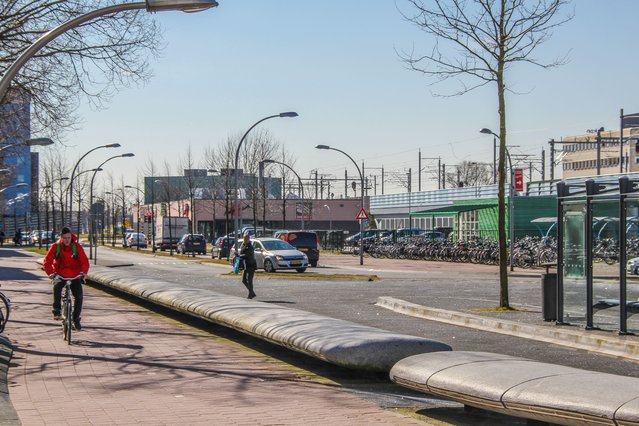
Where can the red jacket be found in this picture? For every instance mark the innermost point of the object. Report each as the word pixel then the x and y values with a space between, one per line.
pixel 66 265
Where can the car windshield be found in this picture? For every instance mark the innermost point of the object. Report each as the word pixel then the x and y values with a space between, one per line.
pixel 303 238
pixel 277 245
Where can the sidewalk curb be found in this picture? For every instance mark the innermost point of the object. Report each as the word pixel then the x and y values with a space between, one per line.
pixel 8 415
pixel 618 346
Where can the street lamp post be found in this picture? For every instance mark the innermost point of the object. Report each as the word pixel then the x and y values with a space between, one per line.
pixel 69 190
pixel 511 211
pixel 330 217
pixel 70 210
pixel 299 180
pixel 149 5
pixel 361 222
pixel 168 209
pixel 139 191
pixel 236 211
pixel 92 227
pixel 29 142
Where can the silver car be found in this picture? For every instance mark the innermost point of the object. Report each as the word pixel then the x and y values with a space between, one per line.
pixel 272 254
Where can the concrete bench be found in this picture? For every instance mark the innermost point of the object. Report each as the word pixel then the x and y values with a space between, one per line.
pixel 631 307
pixel 523 388
pixel 336 341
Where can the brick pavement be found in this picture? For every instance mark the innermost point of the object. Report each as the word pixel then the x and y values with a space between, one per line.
pixel 132 366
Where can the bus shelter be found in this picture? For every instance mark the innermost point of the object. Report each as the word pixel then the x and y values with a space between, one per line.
pixel 598 234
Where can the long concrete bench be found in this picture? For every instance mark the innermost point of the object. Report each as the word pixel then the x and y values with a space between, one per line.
pixel 336 341
pixel 523 388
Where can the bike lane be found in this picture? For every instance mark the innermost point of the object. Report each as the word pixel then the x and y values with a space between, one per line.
pixel 132 366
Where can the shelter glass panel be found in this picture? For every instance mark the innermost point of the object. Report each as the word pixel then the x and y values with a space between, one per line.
pixel 605 265
pixel 632 265
pixel 574 263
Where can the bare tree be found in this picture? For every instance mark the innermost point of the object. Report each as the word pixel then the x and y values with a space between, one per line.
pixel 259 146
pixel 90 62
pixel 222 158
pixel 486 38
pixel 469 173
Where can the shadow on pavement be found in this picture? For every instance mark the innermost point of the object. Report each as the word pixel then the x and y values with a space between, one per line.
pixel 7 252
pixel 17 274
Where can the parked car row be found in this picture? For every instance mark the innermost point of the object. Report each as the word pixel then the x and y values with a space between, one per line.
pixel 286 250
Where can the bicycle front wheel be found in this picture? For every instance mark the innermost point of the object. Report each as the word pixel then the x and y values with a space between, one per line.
pixel 5 309
pixel 67 323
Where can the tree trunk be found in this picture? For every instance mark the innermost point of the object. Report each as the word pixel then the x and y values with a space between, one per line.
pixel 501 207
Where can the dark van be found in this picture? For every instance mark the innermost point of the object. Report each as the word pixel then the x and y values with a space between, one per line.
pixel 305 241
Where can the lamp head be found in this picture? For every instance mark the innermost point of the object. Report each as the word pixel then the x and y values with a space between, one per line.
pixel 486 131
pixel 188 6
pixel 288 114
pixel 128 154
pixel 323 147
pixel 39 142
pixel 129 186
pixel 268 161
pixel 112 145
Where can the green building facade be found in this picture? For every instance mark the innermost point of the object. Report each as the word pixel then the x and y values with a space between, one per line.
pixel 532 216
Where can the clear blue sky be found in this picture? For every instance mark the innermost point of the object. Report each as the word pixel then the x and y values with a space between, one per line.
pixel 335 63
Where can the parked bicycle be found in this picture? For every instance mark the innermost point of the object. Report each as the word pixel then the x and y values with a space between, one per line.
pixel 5 310
pixel 67 304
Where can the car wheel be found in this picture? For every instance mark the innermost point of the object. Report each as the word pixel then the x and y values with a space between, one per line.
pixel 300 270
pixel 314 264
pixel 268 266
pixel 636 270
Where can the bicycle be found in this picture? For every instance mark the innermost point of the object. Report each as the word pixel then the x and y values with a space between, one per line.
pixel 5 310
pixel 67 305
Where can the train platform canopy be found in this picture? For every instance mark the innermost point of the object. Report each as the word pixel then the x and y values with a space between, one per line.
pixel 452 210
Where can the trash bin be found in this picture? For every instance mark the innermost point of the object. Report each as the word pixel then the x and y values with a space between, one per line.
pixel 549 296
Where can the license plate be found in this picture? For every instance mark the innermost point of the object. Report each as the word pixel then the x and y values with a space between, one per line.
pixel 296 262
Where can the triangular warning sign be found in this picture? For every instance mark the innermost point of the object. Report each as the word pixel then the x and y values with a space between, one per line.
pixel 361 215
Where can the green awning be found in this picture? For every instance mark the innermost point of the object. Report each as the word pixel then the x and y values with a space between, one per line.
pixel 452 210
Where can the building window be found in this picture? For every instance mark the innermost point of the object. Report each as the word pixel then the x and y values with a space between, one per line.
pixel 469 225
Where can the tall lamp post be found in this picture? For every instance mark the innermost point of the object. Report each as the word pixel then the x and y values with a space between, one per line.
pixel 361 222
pixel 330 217
pixel 70 210
pixel 69 190
pixel 168 209
pixel 149 5
pixel 92 227
pixel 236 211
pixel 139 191
pixel 18 185
pixel 299 179
pixel 511 212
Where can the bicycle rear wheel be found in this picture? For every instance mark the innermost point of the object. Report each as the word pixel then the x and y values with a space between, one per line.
pixel 5 310
pixel 67 324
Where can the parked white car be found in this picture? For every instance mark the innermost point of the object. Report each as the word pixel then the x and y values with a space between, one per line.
pixel 272 254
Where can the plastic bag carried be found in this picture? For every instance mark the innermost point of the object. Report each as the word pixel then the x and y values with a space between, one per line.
pixel 236 265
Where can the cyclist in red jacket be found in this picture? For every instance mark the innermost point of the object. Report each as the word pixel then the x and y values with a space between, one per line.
pixel 67 258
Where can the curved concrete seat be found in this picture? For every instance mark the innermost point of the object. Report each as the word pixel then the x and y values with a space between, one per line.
pixel 336 341
pixel 523 388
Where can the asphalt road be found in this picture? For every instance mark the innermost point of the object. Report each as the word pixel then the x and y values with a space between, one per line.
pixel 453 287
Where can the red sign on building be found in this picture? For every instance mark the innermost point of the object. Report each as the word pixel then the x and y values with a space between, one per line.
pixel 519 180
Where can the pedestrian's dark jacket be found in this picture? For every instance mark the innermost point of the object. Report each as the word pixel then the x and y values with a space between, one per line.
pixel 247 254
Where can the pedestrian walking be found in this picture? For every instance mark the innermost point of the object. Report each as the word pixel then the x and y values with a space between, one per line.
pixel 247 254
pixel 17 238
pixel 2 237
